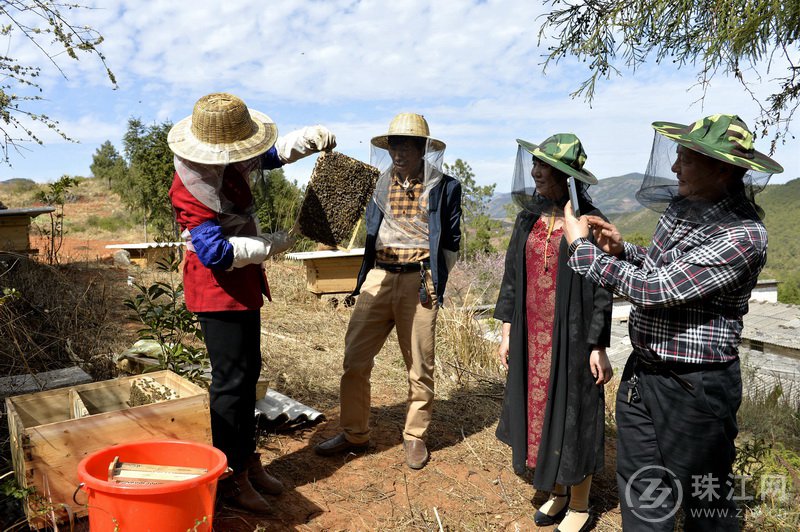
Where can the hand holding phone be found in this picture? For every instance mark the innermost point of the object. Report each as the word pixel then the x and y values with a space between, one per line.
pixel 573 196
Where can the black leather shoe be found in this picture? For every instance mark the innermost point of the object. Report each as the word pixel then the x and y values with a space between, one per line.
pixel 585 527
pixel 339 444
pixel 542 519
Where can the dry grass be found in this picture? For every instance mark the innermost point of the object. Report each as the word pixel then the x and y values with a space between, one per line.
pixel 52 318
pixel 91 211
pixel 468 485
pixel 58 316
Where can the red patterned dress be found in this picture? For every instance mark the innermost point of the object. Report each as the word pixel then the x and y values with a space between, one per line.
pixel 541 265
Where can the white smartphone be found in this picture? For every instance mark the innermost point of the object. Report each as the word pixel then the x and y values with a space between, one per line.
pixel 573 196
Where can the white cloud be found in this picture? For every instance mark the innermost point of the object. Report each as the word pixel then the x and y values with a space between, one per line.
pixel 472 68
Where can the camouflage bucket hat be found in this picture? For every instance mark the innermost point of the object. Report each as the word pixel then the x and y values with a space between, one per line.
pixel 722 137
pixel 563 151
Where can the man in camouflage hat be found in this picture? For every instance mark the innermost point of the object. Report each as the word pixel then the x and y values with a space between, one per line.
pixel 681 388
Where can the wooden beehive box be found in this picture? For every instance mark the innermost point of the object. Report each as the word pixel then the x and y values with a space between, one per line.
pixel 52 431
pixel 147 254
pixel 15 226
pixel 330 272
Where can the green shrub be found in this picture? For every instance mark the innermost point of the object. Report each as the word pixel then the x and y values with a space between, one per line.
pixel 161 309
pixel 109 224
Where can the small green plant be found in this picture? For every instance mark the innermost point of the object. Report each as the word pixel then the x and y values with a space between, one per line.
pixel 9 294
pixel 12 500
pixel 10 488
pixel 160 307
pixel 56 195
pixel 197 524
pixel 767 466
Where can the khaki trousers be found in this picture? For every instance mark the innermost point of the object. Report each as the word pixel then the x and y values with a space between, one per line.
pixel 389 300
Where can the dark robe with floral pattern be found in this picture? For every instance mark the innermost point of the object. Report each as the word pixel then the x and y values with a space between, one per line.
pixel 572 442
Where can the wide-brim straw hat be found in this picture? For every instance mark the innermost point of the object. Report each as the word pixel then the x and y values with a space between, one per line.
pixel 222 130
pixel 563 151
pixel 722 137
pixel 408 125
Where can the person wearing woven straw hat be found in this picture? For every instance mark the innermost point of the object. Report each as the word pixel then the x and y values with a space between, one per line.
pixel 413 236
pixel 216 150
pixel 681 387
pixel 556 327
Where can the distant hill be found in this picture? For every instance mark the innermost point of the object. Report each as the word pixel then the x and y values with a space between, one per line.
pixel 616 197
pixel 610 195
pixel 17 182
pixel 780 203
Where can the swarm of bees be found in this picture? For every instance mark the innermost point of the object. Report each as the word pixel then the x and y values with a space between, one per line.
pixel 146 390
pixel 336 195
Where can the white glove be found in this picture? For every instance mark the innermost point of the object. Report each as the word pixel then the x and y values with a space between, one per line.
pixel 303 142
pixel 278 242
pixel 450 258
pixel 248 250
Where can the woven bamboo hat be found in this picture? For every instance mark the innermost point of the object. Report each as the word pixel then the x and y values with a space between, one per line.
pixel 408 125
pixel 221 130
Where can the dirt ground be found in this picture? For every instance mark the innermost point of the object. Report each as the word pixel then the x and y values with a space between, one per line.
pixel 468 483
pixel 79 249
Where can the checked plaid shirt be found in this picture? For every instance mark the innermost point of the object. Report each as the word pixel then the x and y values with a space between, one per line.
pixel 690 288
pixel 404 203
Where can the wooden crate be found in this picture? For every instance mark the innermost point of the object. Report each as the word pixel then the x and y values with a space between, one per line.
pixel 331 272
pixel 14 233
pixel 52 431
pixel 15 225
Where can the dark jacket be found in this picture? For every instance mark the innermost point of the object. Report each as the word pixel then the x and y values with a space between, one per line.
pixel 444 228
pixel 572 443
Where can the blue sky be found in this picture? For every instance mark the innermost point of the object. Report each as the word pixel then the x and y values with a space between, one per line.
pixel 472 68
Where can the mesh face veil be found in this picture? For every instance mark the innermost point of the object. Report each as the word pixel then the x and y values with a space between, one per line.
pixel 524 192
pixel 406 232
pixel 204 182
pixel 660 188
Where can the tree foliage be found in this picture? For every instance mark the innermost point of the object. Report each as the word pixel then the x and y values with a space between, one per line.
pixel 277 201
pixel 55 195
pixel 477 227
pixel 144 188
pixel 108 164
pixel 46 26
pixel 743 38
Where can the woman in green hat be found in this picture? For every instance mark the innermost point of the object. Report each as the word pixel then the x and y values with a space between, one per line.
pixel 556 327
pixel 689 290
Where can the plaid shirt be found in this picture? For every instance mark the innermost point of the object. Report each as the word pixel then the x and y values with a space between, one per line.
pixel 404 203
pixel 690 289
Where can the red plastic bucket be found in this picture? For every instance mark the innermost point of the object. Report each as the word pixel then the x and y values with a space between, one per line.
pixel 183 505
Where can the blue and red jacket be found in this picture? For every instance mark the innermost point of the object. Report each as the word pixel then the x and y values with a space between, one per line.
pixel 208 285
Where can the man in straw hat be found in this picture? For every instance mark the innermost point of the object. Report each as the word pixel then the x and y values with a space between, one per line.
pixel 216 150
pixel 681 388
pixel 413 235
